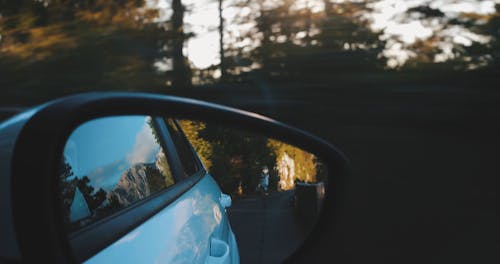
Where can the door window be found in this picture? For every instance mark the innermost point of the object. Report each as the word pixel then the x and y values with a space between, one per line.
pixel 109 164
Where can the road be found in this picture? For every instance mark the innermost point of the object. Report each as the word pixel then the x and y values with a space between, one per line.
pixel 266 227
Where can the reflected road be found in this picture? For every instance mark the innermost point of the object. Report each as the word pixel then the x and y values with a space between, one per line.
pixel 266 227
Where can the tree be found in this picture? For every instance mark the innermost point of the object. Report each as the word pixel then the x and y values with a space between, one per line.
pixel 72 46
pixel 181 72
pixel 68 182
pixel 460 42
pixel 293 163
pixel 487 54
pixel 236 156
pixel 303 42
pixel 222 64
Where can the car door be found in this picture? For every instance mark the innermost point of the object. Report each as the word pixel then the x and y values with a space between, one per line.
pixel 133 194
pixel 222 238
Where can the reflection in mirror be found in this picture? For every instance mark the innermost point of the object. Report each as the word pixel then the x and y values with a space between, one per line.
pixel 108 164
pixel 277 188
pixel 140 181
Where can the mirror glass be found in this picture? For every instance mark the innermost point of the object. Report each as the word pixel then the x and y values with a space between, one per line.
pixel 186 190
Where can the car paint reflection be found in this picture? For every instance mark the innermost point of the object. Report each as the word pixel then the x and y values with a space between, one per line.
pixel 191 223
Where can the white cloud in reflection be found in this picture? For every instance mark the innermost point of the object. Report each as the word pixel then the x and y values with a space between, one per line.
pixel 144 150
pixel 145 147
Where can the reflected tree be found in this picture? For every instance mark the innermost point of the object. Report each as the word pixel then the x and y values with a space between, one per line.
pixel 68 184
pixel 236 158
pixel 293 164
pixel 202 147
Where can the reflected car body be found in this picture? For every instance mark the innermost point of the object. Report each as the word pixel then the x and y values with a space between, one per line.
pixel 194 228
pixel 179 233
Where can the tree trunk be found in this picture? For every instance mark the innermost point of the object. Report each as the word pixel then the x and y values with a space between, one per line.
pixel 221 43
pixel 181 71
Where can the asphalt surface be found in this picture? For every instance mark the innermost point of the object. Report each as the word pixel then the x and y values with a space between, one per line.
pixel 266 227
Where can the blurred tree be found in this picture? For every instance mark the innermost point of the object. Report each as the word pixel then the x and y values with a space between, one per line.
pixel 51 48
pixel 222 64
pixel 181 73
pixel 487 54
pixel 307 43
pixel 346 41
pixel 468 41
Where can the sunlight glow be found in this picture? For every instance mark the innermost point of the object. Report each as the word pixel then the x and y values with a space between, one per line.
pixel 388 16
pixel 408 32
pixel 203 50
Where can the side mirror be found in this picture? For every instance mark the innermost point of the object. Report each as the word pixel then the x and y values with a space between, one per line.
pixel 141 177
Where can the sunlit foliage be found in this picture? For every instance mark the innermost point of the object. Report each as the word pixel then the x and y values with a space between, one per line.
pixel 203 148
pixel 235 157
pixel 293 164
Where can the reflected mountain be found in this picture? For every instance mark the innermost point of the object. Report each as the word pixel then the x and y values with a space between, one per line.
pixel 135 183
pixel 107 176
pixel 122 189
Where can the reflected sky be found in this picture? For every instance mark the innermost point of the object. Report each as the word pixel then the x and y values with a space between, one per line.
pixel 202 19
pixel 103 148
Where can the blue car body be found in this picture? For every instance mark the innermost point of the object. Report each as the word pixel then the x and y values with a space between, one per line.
pixel 183 232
